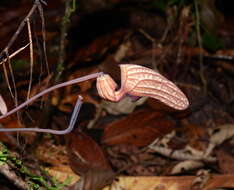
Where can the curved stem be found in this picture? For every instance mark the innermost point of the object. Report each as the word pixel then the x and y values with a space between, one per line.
pixel 55 132
pixel 74 81
pixel 74 114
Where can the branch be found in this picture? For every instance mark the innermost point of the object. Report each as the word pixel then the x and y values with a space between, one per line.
pixel 36 5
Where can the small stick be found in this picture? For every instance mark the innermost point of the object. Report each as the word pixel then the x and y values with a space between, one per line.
pixel 31 57
pixel 41 13
pixel 15 97
pixel 20 28
pixel 7 80
pixel 14 54
pixel 74 114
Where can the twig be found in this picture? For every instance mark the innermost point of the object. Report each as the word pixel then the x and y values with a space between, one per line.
pixel 15 96
pixel 5 52
pixel 14 54
pixel 20 28
pixel 64 26
pixel 202 76
pixel 4 55
pixel 41 13
pixel 7 80
pixel 31 57
pixel 11 175
pixel 180 154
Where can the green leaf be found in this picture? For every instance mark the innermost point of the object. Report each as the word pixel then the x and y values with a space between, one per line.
pixel 3 154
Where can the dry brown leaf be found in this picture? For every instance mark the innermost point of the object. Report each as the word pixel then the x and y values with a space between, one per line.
pixel 10 122
pixel 99 46
pixel 219 135
pixel 226 161
pixel 87 159
pixel 85 154
pixel 193 134
pixel 171 183
pixel 61 173
pixel 186 166
pixel 139 129
pixel 167 183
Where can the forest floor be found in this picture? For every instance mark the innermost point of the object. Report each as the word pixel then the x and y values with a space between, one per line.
pixel 189 149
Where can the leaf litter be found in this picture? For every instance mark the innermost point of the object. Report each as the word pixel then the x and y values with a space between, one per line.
pixel 123 132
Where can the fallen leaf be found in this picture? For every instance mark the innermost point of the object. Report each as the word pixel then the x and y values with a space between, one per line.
pixel 87 159
pixel 192 134
pixel 225 160
pixel 172 183
pixel 139 129
pixel 85 154
pixel 218 135
pixel 186 165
